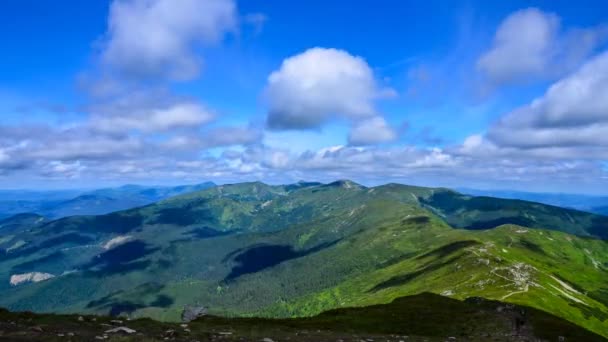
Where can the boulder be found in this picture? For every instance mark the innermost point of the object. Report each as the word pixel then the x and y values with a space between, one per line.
pixel 191 313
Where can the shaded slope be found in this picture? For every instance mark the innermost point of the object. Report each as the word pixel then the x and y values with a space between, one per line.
pixel 424 317
pixel 476 213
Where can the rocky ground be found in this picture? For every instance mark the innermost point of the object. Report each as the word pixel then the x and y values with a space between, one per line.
pixel 424 317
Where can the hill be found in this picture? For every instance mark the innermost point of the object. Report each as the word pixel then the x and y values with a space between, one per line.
pixel 601 210
pixel 423 317
pixel 252 249
pixel 590 203
pixel 57 204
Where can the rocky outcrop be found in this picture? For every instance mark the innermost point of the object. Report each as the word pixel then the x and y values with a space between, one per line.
pixel 191 313
pixel 32 277
pixel 119 240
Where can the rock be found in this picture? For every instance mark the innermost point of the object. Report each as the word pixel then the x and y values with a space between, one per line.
pixel 447 293
pixel 561 339
pixel 60 335
pixel 80 319
pixel 170 333
pixel 183 325
pixel 99 337
pixel 36 328
pixel 116 321
pixel 70 334
pixel 119 240
pixel 191 313
pixel 32 277
pixel 266 339
pixel 121 330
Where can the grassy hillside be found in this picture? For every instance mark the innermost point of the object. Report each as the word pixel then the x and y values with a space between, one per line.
pixel 298 250
pixel 424 317
pixel 469 212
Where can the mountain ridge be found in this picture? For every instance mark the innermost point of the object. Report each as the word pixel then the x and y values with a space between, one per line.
pixel 94 202
pixel 280 251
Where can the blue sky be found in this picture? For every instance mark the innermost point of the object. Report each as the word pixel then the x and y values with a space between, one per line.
pixel 481 94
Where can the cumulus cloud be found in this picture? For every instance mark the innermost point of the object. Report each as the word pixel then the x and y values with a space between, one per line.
pixel 81 150
pixel 216 137
pixel 159 38
pixel 317 85
pixel 146 119
pixel 371 131
pixel 523 45
pixel 132 128
pixel 572 113
pixel 413 165
pixel 530 44
pixel 140 133
pixel 229 136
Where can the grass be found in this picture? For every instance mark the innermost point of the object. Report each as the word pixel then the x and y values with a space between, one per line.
pixel 425 317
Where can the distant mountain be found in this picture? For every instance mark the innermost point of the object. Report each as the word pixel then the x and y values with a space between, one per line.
pixel 36 196
pixel 27 201
pixel 96 202
pixel 298 250
pixel 594 204
pixel 603 210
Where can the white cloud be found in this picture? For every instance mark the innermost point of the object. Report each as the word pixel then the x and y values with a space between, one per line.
pixel 530 44
pixel 371 131
pixel 435 158
pixel 572 113
pixel 158 38
pixel 4 157
pixel 317 85
pixel 215 137
pixel 173 116
pixel 68 145
pixel 231 135
pixel 523 45
pixel 63 170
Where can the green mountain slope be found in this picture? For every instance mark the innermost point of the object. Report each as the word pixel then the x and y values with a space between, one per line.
pixel 280 251
pixel 469 212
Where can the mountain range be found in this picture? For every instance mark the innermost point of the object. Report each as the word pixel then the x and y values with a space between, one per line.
pixel 55 204
pixel 252 249
pixel 594 204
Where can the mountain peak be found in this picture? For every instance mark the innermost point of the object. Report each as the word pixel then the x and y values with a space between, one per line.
pixel 345 183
